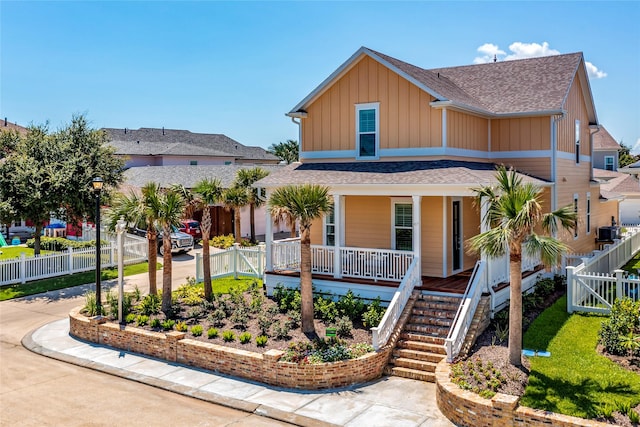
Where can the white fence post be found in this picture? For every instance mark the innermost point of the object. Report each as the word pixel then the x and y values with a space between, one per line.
pixel 261 258
pixel 70 253
pixel 570 288
pixel 23 268
pixel 199 268
pixel 619 284
pixel 235 260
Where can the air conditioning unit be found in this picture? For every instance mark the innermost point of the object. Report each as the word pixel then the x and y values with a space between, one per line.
pixel 608 233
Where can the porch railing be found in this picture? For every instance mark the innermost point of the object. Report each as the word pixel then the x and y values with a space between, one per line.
pixel 383 331
pixel 498 268
pixel 464 317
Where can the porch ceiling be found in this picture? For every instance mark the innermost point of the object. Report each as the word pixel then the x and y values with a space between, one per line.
pixel 421 177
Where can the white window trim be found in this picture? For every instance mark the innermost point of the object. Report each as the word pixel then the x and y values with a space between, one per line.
pixel 577 141
pixel 368 106
pixel 399 201
pixel 324 227
pixel 613 162
pixel 588 224
pixel 576 208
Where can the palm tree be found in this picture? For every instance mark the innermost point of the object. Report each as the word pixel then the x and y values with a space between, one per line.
pixel 306 203
pixel 284 215
pixel 514 211
pixel 209 192
pixel 234 198
pixel 168 210
pixel 245 178
pixel 141 210
pixel 192 203
pixel 286 151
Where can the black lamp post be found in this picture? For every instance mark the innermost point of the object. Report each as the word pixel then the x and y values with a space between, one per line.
pixel 97 188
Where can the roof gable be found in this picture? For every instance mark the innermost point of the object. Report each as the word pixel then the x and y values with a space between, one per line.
pixel 602 140
pixel 522 87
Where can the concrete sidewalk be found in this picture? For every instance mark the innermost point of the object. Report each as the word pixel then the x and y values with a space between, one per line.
pixel 390 401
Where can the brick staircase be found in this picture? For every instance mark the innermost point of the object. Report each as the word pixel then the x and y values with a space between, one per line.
pixel 421 343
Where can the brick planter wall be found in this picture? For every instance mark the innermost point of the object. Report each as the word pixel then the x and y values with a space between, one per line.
pixel 265 368
pixel 466 408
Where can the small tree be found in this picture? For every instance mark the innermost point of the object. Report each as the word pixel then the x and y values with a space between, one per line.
pixel 245 178
pixel 306 203
pixel 234 198
pixel 209 191
pixel 514 211
pixel 287 151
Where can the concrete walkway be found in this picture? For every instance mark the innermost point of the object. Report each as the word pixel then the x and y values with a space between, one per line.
pixel 390 401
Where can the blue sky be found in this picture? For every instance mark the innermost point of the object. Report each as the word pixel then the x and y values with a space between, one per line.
pixel 236 67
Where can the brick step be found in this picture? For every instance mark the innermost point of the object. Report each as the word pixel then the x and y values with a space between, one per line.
pixel 422 346
pixel 423 338
pixel 435 331
pixel 423 356
pixel 440 298
pixel 432 321
pixel 433 312
pixel 411 374
pixel 418 365
pixel 430 305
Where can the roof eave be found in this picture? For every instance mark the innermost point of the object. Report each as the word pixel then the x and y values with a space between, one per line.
pixel 474 110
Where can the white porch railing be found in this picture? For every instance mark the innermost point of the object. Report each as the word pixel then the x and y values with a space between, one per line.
pixel 361 263
pixel 234 261
pixel 498 268
pixel 24 269
pixel 464 317
pixel 383 331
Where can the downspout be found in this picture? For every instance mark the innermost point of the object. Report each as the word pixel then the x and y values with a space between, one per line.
pixel 299 123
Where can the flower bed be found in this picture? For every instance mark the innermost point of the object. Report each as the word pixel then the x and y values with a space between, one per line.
pixel 267 367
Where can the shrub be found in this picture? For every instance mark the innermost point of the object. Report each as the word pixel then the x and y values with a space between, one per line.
pixel 190 293
pixel 222 242
pixel 62 244
pixel 212 333
pixel 155 323
pixel 321 351
pixel 374 314
pixel 245 338
pixel 261 341
pixel 545 287
pixel 130 318
pixel 228 336
pixel 90 306
pixel 294 318
pixel 194 312
pixel 343 326
pixel 281 330
pixel 287 299
pixel 182 327
pixel 264 323
pixel 196 330
pixel 150 304
pixel 142 320
pixel 325 309
pixel 351 306
pixel 168 324
pixel 112 302
pixel 623 321
pixel 240 316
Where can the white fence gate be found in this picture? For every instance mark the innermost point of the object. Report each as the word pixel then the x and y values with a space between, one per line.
pixel 235 261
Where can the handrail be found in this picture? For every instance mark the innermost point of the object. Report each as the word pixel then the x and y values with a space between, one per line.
pixel 382 332
pixel 465 313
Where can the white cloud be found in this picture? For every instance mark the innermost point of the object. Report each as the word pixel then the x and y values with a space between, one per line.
pixel 521 50
pixel 594 72
pixel 636 147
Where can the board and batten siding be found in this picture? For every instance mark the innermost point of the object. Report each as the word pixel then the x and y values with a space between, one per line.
pixel 521 134
pixel 406 119
pixel 576 110
pixel 471 227
pixel 431 239
pixel 467 131
pixel 368 221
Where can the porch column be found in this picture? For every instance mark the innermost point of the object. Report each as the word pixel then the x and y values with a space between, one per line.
pixel 417 225
pixel 338 235
pixel 268 237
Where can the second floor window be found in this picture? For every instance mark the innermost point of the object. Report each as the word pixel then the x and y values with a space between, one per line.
pixel 367 131
pixel 575 209
pixel 608 163
pixel 577 137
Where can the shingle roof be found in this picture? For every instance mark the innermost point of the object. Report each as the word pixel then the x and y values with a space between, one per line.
pixel 617 184
pixel 602 140
pixel 186 175
pixel 5 125
pixel 151 141
pixel 437 172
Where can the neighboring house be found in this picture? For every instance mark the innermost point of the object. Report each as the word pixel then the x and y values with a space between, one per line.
pixel 189 176
pixel 170 147
pixel 401 149
pixel 625 187
pixel 632 169
pixel 605 150
pixel 7 125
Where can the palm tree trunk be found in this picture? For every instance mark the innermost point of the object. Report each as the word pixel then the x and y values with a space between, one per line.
pixel 306 287
pixel 236 221
pixel 252 219
pixel 206 262
pixel 515 308
pixel 292 226
pixel 166 272
pixel 153 262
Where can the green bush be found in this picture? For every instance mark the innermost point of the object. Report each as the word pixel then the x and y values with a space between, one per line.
pixel 142 320
pixel 222 242
pixel 324 350
pixel 168 324
pixel 90 305
pixel 217 317
pixel 261 341
pixel 150 304
pixel 264 323
pixel 343 326
pixel 196 330
pixel 212 333
pixel 130 318
pixel 351 306
pixel 374 314
pixel 182 327
pixel 287 299
pixel 245 338
pixel 228 336
pixel 62 244
pixel 623 321
pixel 155 323
pixel 240 316
pixel 294 319
pixel 545 287
pixel 325 308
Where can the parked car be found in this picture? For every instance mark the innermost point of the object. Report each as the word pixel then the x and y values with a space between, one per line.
pixel 192 227
pixel 180 242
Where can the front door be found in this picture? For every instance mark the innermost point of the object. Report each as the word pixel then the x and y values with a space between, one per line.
pixel 456 228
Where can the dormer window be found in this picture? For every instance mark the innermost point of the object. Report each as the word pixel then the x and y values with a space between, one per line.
pixel 367 130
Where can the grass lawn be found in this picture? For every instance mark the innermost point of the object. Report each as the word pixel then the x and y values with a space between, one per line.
pixel 11 252
pixel 633 265
pixel 575 380
pixel 67 281
pixel 223 284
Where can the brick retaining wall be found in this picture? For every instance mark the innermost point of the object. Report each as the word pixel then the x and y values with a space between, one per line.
pixel 265 368
pixel 468 409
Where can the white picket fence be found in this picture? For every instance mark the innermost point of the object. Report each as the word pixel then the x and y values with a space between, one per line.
pixel 24 269
pixel 591 285
pixel 235 261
